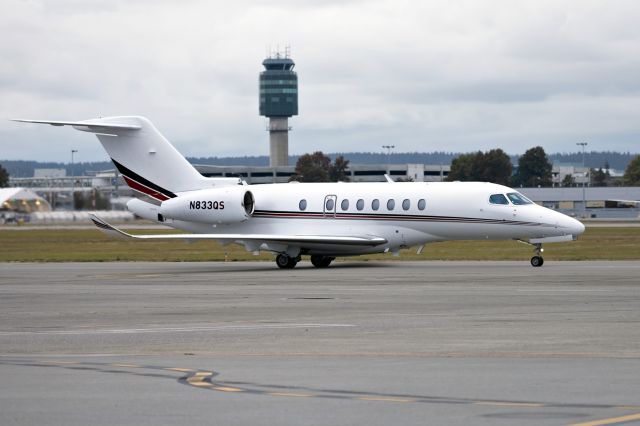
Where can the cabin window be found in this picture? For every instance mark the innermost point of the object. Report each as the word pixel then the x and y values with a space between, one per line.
pixel 406 204
pixel 391 204
pixel 344 205
pixel 375 204
pixel 302 205
pixel 329 205
pixel 360 204
pixel 518 199
pixel 422 204
pixel 498 199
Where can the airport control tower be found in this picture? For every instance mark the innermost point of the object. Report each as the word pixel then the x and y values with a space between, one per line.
pixel 278 102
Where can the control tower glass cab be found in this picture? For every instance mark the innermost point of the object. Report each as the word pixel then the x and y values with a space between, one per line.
pixel 278 88
pixel 278 102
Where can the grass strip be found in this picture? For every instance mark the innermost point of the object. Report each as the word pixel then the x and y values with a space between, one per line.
pixel 88 245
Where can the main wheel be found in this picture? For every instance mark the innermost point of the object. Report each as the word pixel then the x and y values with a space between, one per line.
pixel 537 261
pixel 321 261
pixel 286 262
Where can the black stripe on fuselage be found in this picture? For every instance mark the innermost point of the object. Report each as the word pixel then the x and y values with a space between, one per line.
pixel 134 176
pixel 389 217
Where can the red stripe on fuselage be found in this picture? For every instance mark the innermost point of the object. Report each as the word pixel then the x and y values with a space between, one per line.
pixel 393 217
pixel 137 186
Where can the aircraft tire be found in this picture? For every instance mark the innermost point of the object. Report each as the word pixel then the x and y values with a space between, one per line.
pixel 537 261
pixel 286 262
pixel 321 261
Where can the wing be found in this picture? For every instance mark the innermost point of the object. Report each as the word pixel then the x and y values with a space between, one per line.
pixel 93 126
pixel 364 240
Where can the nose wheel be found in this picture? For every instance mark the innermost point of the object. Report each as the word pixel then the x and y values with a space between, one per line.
pixel 537 260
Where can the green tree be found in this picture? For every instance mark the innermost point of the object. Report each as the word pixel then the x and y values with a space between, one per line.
pixel 568 181
pixel 317 167
pixel 534 169
pixel 491 166
pixel 462 167
pixel 599 176
pixel 312 168
pixel 632 173
pixel 338 170
pixel 4 177
pixel 496 167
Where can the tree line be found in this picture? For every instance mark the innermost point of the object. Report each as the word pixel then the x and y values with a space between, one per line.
pixel 534 169
pixel 4 177
pixel 593 159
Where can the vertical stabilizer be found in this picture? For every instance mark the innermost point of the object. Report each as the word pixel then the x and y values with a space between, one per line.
pixel 146 160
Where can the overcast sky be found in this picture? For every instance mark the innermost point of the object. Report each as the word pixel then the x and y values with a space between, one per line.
pixel 426 75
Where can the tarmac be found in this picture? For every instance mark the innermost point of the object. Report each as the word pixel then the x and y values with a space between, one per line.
pixel 376 343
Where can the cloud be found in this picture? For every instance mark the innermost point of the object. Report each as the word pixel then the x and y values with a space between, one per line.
pixel 454 75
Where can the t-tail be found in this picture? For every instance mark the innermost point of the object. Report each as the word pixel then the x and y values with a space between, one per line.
pixel 147 161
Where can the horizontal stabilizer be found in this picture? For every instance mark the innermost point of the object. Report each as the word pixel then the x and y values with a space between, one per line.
pixel 87 125
pixel 263 238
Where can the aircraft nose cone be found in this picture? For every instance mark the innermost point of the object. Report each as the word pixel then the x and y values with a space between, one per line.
pixel 576 226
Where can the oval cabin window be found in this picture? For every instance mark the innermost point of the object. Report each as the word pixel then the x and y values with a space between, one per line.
pixel 329 205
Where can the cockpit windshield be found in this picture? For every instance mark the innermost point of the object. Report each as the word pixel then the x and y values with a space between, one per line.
pixel 498 199
pixel 518 199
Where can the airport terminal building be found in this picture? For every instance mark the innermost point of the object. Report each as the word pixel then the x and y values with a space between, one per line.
pixel 355 172
pixel 594 203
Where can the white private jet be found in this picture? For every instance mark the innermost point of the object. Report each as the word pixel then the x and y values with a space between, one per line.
pixel 323 220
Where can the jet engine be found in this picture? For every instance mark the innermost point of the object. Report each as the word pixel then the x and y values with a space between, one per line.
pixel 227 205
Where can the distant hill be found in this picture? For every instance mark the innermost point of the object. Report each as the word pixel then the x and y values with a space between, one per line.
pixel 595 159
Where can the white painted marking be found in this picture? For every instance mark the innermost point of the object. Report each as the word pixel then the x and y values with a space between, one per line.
pixel 172 329
pixel 563 290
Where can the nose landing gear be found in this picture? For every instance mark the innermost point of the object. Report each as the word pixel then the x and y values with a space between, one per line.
pixel 537 260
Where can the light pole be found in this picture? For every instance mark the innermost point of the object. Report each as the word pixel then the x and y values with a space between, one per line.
pixel 73 181
pixel 388 148
pixel 584 202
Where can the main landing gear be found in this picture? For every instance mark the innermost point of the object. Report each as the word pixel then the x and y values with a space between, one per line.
pixel 285 261
pixel 537 260
pixel 321 261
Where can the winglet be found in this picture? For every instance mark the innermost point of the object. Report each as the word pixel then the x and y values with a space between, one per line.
pixel 108 229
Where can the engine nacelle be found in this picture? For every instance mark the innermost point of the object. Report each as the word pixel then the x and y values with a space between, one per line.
pixel 227 205
pixel 144 210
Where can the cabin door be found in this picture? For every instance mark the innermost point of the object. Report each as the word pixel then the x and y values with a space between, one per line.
pixel 329 209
